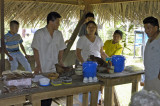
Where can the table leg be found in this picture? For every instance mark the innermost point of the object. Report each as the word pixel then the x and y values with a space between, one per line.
pixel 70 100
pixel 85 99
pixel 108 95
pixel 116 101
pixel 134 87
pixel 94 98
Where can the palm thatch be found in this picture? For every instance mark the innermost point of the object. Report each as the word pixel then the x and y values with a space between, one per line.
pixel 132 11
pixel 33 13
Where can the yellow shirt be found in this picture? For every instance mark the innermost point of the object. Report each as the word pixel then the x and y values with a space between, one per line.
pixel 112 49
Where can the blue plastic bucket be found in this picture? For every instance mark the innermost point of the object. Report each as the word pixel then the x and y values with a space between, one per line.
pixel 118 61
pixel 89 69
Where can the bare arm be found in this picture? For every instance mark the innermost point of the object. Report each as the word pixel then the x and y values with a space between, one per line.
pixel 22 47
pixel 6 52
pixel 118 51
pixel 60 57
pixel 79 56
pixel 103 54
pixel 37 60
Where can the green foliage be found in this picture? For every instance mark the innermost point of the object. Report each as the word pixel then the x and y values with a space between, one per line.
pixel 107 31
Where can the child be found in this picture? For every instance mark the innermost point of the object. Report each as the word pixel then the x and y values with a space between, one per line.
pixel 12 43
pixel 113 47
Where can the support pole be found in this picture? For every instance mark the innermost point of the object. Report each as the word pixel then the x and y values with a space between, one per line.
pixel 2 36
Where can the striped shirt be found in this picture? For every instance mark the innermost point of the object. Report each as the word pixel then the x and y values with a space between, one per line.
pixel 12 42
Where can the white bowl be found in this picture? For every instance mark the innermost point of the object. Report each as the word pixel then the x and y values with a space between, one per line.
pixel 44 81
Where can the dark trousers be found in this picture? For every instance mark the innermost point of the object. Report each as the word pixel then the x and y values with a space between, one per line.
pixel 46 102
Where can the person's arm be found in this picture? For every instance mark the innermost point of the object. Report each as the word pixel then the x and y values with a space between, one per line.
pixel 79 56
pixel 103 54
pixel 118 51
pixel 60 57
pixel 6 52
pixel 37 60
pixel 159 75
pixel 22 48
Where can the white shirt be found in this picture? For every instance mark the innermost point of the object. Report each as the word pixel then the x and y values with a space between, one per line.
pixel 152 59
pixel 89 48
pixel 48 48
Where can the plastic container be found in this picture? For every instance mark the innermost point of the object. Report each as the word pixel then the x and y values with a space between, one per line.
pixel 56 82
pixel 89 69
pixel 44 82
pixel 78 70
pixel 118 61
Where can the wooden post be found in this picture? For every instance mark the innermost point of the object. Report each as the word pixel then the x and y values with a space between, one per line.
pixel 73 37
pixel 108 94
pixel 70 100
pixel 2 36
pixel 76 31
pixel 85 99
pixel 94 98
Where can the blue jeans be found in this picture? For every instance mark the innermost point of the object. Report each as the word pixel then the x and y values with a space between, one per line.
pixel 19 57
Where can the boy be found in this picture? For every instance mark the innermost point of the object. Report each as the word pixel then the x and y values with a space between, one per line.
pixel 12 43
pixel 151 54
pixel 113 47
pixel 83 30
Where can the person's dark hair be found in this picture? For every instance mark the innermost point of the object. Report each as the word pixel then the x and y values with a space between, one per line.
pixel 14 22
pixel 89 14
pixel 118 32
pixel 52 16
pixel 91 22
pixel 151 20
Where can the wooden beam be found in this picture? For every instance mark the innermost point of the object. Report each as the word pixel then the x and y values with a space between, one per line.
pixel 2 36
pixel 73 37
pixel 88 8
pixel 49 1
pixel 113 1
pixel 81 2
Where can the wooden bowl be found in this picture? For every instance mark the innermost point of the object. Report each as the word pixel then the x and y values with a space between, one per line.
pixel 53 76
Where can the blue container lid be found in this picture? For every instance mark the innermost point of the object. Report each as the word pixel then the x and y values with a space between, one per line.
pixel 90 62
pixel 118 57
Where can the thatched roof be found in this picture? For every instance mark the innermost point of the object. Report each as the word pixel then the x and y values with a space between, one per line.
pixel 133 11
pixel 33 12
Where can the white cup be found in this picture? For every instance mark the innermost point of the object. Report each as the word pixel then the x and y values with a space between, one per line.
pixel 85 80
pixel 95 79
pixel 90 79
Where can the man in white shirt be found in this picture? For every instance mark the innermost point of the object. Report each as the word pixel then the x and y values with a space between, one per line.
pixel 48 45
pixel 151 54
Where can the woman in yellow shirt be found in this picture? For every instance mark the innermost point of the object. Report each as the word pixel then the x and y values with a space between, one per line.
pixel 113 47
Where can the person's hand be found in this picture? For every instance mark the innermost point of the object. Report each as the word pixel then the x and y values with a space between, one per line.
pixel 10 58
pixel 37 70
pixel 159 76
